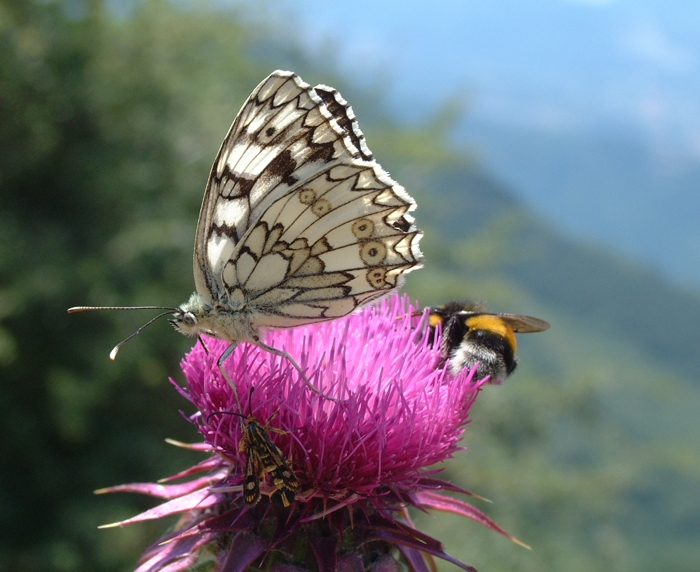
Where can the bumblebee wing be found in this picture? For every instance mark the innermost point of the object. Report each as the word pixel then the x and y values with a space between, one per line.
pixel 524 324
pixel 463 309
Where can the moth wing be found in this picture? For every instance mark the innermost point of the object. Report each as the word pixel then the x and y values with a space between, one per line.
pixel 253 475
pixel 283 496
pixel 283 476
pixel 284 479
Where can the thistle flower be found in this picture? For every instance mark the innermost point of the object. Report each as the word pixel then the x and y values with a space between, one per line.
pixel 361 460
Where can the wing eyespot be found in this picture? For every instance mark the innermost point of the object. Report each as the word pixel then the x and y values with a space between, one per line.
pixel 377 278
pixel 363 228
pixel 373 252
pixel 307 196
pixel 321 207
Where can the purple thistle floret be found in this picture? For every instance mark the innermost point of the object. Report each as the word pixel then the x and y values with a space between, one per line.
pixel 361 459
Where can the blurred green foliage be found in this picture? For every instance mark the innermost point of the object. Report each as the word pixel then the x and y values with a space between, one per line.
pixel 110 116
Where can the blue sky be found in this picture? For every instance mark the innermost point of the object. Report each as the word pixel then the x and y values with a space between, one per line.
pixel 588 109
pixel 551 64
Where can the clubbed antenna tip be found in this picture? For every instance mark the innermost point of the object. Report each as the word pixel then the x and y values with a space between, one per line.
pixel 113 353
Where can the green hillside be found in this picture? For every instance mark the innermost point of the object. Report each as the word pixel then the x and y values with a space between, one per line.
pixel 594 438
pixel 109 126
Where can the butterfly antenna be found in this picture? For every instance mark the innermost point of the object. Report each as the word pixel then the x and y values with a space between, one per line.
pixel 113 353
pixel 76 309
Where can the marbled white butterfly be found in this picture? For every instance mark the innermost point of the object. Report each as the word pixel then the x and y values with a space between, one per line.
pixel 299 223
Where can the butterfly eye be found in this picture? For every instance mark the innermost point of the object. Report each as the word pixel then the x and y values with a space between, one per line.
pixel 188 319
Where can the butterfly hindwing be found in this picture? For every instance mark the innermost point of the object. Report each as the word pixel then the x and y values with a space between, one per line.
pixel 323 250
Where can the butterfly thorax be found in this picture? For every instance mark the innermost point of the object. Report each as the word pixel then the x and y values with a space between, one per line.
pixel 222 320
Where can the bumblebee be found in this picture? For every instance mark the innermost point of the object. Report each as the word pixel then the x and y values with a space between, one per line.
pixel 472 336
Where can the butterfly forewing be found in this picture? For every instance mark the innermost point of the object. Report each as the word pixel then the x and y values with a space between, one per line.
pixel 283 133
pixel 344 115
pixel 298 220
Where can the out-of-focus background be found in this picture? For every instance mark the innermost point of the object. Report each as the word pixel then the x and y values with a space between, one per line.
pixel 554 150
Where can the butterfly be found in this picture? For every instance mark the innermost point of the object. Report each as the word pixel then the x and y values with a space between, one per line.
pixel 299 223
pixel 473 337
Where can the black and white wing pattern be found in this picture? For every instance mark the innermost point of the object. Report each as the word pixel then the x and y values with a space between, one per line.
pixel 299 223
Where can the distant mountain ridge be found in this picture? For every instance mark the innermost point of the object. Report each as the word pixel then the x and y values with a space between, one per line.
pixel 617 297
pixel 608 187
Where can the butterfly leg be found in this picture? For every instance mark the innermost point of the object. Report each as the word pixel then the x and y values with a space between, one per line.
pixel 201 341
pixel 227 352
pixel 291 360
